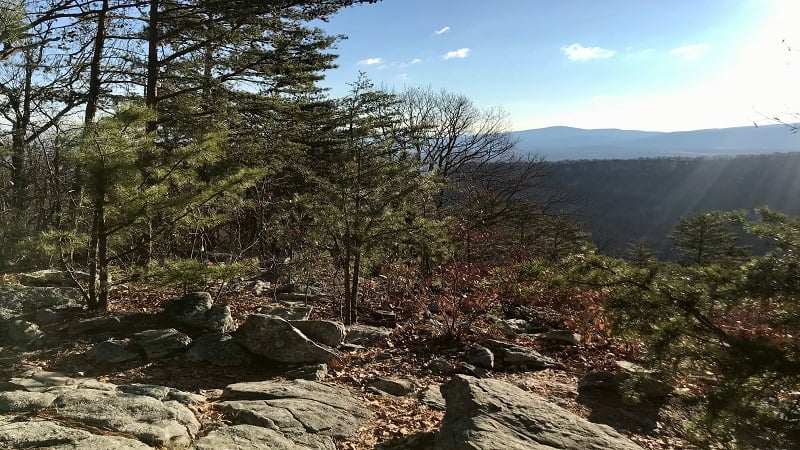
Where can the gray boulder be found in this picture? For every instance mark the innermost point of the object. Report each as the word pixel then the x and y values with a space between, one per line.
pixel 295 408
pixel 218 349
pixel 516 326
pixel 220 320
pixel 511 356
pixel 47 316
pixel 398 387
pixel 22 332
pixel 561 337
pixel 99 324
pixel 189 310
pixel 365 334
pixel 25 300
pixel 486 414
pixel 112 351
pixel 287 310
pixel 158 344
pixel 440 365
pixel 316 372
pixel 276 339
pixel 249 437
pixel 197 311
pixel 325 332
pixel 52 278
pixel 431 397
pixel 480 356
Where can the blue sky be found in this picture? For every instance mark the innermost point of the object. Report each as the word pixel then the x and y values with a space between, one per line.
pixel 631 64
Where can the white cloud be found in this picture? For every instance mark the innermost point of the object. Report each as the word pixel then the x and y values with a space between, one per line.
pixel 370 61
pixel 443 30
pixel 460 53
pixel 577 52
pixel 416 61
pixel 694 51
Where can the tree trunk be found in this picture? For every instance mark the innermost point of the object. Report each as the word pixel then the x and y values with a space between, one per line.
pixel 354 288
pixel 95 66
pixel 346 311
pixel 151 88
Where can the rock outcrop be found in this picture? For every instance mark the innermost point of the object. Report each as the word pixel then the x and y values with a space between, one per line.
pixel 75 407
pixel 485 414
pixel 305 412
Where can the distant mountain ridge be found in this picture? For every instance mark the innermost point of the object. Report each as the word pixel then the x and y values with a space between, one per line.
pixel 568 143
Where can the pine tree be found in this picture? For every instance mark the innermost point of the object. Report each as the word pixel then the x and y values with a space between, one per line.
pixel 121 203
pixel 370 193
pixel 725 320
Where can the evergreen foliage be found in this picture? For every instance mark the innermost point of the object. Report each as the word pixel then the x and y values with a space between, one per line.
pixel 722 324
pixel 370 196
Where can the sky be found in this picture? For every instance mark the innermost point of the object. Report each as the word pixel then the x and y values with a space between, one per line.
pixel 629 64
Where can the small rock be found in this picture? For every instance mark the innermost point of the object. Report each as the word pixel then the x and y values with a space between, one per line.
pixel 469 369
pixel 384 318
pixel 365 334
pixel 480 356
pixel 509 356
pixel 632 368
pixel 287 310
pixel 561 337
pixel 295 297
pixel 398 387
pixel 440 366
pixel 600 380
pixel 347 347
pixel 112 351
pixel 262 287
pixel 316 372
pixel 518 326
pixel 161 343
pixel 94 325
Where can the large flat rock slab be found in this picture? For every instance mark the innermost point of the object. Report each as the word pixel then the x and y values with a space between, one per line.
pixel 151 415
pixel 33 432
pixel 296 408
pixel 250 437
pixel 486 414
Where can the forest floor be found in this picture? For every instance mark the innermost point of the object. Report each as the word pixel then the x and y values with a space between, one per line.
pixel 397 422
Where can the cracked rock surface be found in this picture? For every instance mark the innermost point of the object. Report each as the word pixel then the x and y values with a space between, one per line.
pixel 49 410
pixel 486 414
pixel 305 412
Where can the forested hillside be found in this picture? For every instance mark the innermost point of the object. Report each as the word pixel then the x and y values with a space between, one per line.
pixel 625 200
pixel 203 246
